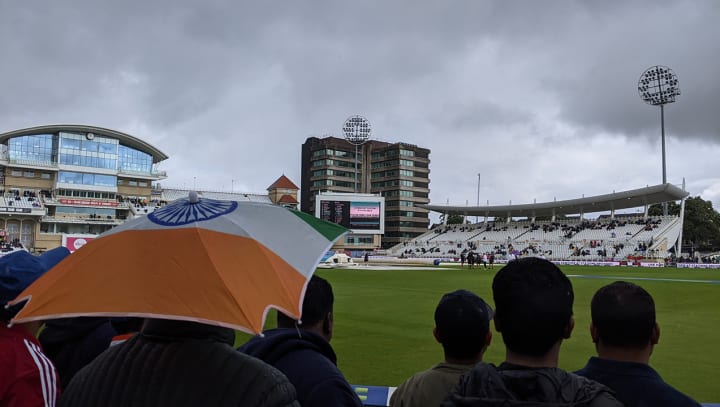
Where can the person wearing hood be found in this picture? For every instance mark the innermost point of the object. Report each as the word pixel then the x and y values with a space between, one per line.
pixel 72 343
pixel 27 377
pixel 302 351
pixel 533 313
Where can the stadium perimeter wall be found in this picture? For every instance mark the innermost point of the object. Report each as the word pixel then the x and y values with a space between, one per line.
pixel 426 261
pixel 379 396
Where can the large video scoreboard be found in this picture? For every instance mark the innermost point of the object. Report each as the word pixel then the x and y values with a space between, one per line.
pixel 361 213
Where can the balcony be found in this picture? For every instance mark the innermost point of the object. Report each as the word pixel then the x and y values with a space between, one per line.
pixel 153 174
pixel 5 160
pixel 83 219
pixel 21 205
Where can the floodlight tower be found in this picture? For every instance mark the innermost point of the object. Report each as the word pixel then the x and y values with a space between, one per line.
pixel 357 131
pixel 658 85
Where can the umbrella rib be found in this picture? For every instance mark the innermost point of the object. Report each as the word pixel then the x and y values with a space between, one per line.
pixel 219 275
pixel 286 291
pixel 266 252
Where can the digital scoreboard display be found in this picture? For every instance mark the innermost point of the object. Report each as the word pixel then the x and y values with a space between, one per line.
pixel 354 215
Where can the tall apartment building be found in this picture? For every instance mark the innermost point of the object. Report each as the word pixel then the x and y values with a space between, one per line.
pixel 397 171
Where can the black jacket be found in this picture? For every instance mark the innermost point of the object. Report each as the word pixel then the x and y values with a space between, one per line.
pixel 72 343
pixel 173 363
pixel 512 385
pixel 309 362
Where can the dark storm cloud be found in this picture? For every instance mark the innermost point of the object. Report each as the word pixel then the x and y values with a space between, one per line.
pixel 216 84
pixel 599 87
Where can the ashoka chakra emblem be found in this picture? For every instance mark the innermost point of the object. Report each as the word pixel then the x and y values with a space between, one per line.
pixel 182 211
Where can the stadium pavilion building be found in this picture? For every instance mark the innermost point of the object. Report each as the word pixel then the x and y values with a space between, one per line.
pixel 559 229
pixel 399 172
pixel 63 180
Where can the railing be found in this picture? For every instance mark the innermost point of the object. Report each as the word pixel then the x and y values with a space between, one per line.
pixel 34 163
pixel 82 220
pixel 151 173
pixel 379 396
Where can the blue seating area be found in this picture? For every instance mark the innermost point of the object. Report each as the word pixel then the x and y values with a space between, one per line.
pixel 374 395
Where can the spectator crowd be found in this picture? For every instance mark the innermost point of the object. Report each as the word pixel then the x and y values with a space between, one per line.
pixel 181 363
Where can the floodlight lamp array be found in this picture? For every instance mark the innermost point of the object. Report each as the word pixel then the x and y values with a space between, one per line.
pixel 658 85
pixel 357 130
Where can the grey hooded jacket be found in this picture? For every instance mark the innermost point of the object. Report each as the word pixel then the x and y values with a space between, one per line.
pixel 513 385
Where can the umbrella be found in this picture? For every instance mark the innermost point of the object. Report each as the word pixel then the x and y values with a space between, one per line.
pixel 218 262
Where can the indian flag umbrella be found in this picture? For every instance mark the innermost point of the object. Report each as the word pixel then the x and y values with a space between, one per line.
pixel 217 262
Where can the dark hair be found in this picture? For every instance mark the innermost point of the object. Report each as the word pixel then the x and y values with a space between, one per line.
pixel 317 304
pixel 623 314
pixel 462 320
pixel 533 305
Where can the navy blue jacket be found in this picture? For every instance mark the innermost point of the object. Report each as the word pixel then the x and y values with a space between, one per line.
pixel 308 360
pixel 72 343
pixel 635 384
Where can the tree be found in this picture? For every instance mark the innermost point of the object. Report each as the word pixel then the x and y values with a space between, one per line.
pixel 455 219
pixel 701 225
pixel 656 209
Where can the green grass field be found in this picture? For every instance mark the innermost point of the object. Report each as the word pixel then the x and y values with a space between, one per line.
pixel 384 322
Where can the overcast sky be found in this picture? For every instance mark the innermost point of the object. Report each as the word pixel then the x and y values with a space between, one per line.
pixel 540 97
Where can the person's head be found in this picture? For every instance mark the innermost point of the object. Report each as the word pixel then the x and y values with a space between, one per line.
pixel 623 316
pixel 533 306
pixel 462 325
pixel 20 269
pixel 316 310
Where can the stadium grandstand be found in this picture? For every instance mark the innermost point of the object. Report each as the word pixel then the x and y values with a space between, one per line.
pixel 71 180
pixel 66 184
pixel 559 230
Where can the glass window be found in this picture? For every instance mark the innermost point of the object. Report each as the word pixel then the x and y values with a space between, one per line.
pixel 69 143
pixel 78 150
pixel 130 159
pixel 35 148
pixel 70 177
pixel 27 233
pixel 12 230
pixel 88 145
